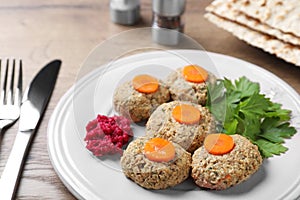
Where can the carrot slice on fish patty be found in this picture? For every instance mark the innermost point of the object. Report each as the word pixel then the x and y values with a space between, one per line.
pixel 194 73
pixel 186 114
pixel 218 144
pixel 159 150
pixel 145 83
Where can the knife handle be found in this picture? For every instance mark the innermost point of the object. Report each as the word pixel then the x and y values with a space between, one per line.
pixel 12 171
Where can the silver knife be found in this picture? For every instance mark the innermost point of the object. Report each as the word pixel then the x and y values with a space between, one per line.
pixel 33 105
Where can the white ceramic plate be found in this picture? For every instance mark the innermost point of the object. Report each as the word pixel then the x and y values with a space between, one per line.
pixel 88 177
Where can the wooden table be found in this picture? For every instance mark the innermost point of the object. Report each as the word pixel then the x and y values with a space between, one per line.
pixel 39 31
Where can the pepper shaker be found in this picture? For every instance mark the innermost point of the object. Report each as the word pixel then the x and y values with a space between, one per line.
pixel 167 21
pixel 125 12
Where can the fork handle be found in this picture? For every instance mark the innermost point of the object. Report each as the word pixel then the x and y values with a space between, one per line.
pixel 11 174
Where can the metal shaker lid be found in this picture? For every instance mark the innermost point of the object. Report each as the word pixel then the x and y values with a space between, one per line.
pixel 126 12
pixel 168 7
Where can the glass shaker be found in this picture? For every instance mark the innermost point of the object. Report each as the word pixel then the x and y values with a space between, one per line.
pixel 167 21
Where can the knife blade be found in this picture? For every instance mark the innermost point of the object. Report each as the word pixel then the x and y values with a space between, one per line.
pixel 34 103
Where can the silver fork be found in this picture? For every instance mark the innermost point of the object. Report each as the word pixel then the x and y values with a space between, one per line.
pixel 10 97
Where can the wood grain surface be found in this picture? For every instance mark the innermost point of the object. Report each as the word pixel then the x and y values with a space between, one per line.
pixel 39 31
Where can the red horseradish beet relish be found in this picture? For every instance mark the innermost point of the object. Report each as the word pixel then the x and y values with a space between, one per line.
pixel 106 135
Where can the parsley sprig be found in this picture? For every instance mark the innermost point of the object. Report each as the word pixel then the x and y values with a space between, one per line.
pixel 240 108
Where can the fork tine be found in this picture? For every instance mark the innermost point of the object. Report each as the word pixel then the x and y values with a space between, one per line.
pixel 0 80
pixel 3 92
pixel 18 92
pixel 9 98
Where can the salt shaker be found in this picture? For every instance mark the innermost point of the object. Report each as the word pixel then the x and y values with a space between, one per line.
pixel 167 21
pixel 125 12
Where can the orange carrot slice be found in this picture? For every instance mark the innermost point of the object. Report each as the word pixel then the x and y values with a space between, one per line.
pixel 186 114
pixel 159 150
pixel 194 73
pixel 145 83
pixel 218 144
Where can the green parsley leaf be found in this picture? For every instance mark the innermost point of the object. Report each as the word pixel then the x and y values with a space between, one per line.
pixel 246 87
pixel 240 108
pixel 230 128
pixel 275 132
pixel 268 149
pixel 249 126
pixel 256 104
pixel 275 110
pixel 216 99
